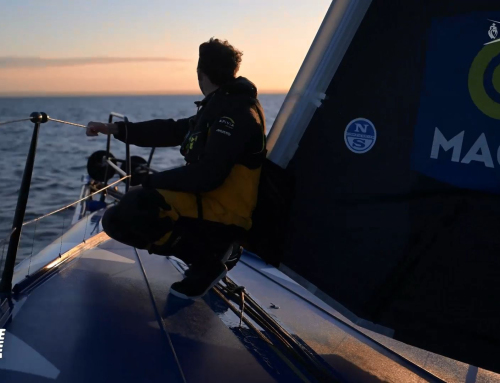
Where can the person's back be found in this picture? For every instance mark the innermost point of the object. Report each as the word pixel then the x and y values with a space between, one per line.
pixel 196 211
pixel 243 118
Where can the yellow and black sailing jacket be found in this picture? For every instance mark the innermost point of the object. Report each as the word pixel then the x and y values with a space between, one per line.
pixel 224 148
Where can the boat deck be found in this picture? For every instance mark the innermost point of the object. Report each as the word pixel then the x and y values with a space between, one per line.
pixel 107 316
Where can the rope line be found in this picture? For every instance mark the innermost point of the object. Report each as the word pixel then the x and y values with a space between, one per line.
pixel 32 247
pixel 12 121
pixel 62 235
pixel 393 353
pixel 309 360
pixel 86 224
pixel 66 122
pixel 1 259
pixel 74 203
pixel 48 119
pixel 80 200
pixel 3 241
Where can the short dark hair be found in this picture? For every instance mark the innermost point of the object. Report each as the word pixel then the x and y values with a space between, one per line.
pixel 219 60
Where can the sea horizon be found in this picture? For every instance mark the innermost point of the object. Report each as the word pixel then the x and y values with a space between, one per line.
pixel 61 95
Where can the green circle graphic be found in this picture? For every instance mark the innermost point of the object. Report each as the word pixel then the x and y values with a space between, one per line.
pixel 476 85
pixel 496 79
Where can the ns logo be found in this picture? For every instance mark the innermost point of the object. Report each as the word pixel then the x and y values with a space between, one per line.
pixel 360 135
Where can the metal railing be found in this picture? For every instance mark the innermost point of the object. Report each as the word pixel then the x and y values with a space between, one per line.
pixel 128 163
pixel 127 151
pixel 10 261
pixel 38 118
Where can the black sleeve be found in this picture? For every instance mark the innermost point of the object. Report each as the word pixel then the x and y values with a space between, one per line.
pixel 157 133
pixel 225 144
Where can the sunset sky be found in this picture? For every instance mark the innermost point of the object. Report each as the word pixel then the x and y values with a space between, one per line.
pixel 148 46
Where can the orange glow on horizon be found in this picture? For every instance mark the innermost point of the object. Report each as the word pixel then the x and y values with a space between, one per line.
pixel 117 56
pixel 130 78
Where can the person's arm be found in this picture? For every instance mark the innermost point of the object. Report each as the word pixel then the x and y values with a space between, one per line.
pixel 157 133
pixel 225 143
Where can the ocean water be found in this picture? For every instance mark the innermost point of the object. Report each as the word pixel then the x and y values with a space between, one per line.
pixel 63 151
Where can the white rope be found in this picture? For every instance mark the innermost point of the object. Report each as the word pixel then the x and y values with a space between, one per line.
pixel 66 122
pixel 74 203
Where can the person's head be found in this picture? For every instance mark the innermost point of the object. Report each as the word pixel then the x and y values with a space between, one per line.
pixel 218 63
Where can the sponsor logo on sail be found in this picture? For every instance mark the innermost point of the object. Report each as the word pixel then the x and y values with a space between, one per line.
pixel 493 31
pixel 479 74
pixel 457 136
pixel 360 135
pixel 484 80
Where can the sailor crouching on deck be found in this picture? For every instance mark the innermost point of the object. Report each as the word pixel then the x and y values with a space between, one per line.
pixel 198 211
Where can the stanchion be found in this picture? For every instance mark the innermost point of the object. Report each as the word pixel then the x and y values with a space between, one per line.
pixel 10 261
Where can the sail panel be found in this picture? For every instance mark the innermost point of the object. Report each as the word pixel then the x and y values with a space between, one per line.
pixel 396 178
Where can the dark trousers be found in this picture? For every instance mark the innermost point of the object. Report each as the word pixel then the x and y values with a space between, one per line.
pixel 135 221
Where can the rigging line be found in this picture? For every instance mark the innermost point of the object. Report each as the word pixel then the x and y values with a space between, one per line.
pixel 159 317
pixel 86 224
pixel 3 242
pixel 32 246
pixel 308 357
pixel 302 351
pixel 74 203
pixel 268 323
pixel 1 259
pixel 220 289
pixel 66 122
pixel 242 307
pixel 261 321
pixel 12 121
pixel 217 289
pixel 62 235
pixel 386 348
pixel 8 236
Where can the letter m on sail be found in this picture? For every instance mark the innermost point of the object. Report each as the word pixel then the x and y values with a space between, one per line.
pixel 361 128
pixel 455 144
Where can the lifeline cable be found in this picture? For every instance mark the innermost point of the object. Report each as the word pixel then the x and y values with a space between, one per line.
pixel 32 247
pixel 12 121
pixel 48 119
pixel 67 206
pixel 82 199
pixel 74 203
pixel 3 241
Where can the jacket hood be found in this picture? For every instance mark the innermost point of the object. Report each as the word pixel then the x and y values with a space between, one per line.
pixel 238 86
pixel 241 86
